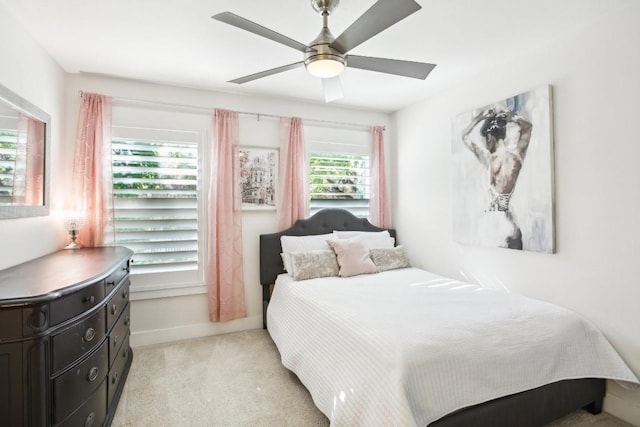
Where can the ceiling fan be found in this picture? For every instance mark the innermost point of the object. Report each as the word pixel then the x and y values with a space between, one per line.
pixel 326 56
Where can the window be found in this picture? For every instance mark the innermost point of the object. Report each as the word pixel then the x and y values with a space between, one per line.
pixel 156 194
pixel 339 180
pixel 338 169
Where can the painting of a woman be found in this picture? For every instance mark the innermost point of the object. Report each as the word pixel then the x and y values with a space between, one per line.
pixel 492 152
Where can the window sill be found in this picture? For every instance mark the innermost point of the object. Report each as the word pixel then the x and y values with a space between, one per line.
pixel 145 292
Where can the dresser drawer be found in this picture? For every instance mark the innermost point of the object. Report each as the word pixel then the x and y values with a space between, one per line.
pixel 117 369
pixel 11 384
pixel 76 303
pixel 116 303
pixel 119 334
pixel 72 388
pixel 114 279
pixel 92 413
pixel 10 323
pixel 74 342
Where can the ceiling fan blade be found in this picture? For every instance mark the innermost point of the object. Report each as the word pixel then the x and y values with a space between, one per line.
pixel 332 89
pixel 266 73
pixel 378 18
pixel 252 27
pixel 417 70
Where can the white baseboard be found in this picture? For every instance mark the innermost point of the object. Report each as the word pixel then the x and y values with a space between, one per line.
pixel 158 336
pixel 624 409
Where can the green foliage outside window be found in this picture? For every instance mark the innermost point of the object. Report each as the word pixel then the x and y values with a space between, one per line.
pixel 337 176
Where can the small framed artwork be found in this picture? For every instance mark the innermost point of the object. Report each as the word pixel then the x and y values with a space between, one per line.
pixel 258 180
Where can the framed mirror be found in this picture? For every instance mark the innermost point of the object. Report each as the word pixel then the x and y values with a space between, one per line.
pixel 24 149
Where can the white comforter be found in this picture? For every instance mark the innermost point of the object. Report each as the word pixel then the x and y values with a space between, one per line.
pixel 406 347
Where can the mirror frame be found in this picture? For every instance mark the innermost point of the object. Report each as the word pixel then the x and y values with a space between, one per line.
pixel 21 211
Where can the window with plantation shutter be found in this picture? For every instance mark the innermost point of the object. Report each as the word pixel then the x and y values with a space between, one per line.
pixel 8 151
pixel 155 189
pixel 338 169
pixel 339 180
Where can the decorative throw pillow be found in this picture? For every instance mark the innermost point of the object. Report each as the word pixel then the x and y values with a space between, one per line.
pixel 390 259
pixel 302 244
pixel 313 264
pixel 353 257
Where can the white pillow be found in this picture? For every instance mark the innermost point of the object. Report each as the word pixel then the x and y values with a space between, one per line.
pixel 302 244
pixel 348 234
pixel 371 239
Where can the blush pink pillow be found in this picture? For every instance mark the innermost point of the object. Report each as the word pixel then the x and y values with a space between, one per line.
pixel 353 257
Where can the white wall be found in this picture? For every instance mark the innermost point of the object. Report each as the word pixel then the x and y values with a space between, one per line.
pixel 31 73
pixel 180 317
pixel 595 74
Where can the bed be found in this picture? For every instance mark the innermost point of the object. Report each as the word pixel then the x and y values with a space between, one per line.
pixel 428 363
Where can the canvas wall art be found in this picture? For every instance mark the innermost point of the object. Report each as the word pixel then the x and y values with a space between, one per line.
pixel 258 177
pixel 503 173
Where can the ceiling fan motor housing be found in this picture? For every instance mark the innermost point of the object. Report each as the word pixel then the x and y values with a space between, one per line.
pixel 322 6
pixel 321 60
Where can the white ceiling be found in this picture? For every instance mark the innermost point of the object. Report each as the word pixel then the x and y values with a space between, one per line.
pixel 176 41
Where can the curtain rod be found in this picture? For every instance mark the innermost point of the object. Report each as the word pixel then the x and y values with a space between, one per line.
pixel 257 115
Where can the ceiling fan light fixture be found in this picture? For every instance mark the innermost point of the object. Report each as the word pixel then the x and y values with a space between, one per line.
pixel 325 68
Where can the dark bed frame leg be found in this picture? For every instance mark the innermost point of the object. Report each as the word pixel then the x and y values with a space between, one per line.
pixel 266 295
pixel 595 407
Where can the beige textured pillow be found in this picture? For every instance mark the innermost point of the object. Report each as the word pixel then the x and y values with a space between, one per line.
pixel 390 259
pixel 353 257
pixel 302 244
pixel 313 264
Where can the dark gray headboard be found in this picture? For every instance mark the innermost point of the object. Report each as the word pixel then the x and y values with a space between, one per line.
pixel 324 221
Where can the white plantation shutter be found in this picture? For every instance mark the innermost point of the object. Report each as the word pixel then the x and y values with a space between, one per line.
pixel 339 169
pixel 155 186
pixel 8 152
pixel 339 180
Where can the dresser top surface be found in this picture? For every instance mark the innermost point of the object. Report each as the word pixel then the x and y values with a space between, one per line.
pixel 51 276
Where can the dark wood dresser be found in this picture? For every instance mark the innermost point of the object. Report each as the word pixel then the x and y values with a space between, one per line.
pixel 64 338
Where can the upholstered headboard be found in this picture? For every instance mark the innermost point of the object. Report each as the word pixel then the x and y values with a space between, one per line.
pixel 324 221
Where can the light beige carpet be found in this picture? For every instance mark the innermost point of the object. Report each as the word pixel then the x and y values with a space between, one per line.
pixel 233 380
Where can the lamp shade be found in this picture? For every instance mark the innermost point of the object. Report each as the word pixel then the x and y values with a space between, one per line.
pixel 73 221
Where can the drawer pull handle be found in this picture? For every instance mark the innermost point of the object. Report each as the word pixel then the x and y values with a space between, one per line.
pixel 89 334
pixel 115 340
pixel 125 353
pixel 111 283
pixel 90 419
pixel 90 299
pixel 125 294
pixel 115 378
pixel 114 309
pixel 38 319
pixel 93 374
pixel 126 321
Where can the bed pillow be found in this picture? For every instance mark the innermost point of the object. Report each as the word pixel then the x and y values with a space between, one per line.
pixel 313 264
pixel 302 244
pixel 390 259
pixel 353 257
pixel 347 234
pixel 371 239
